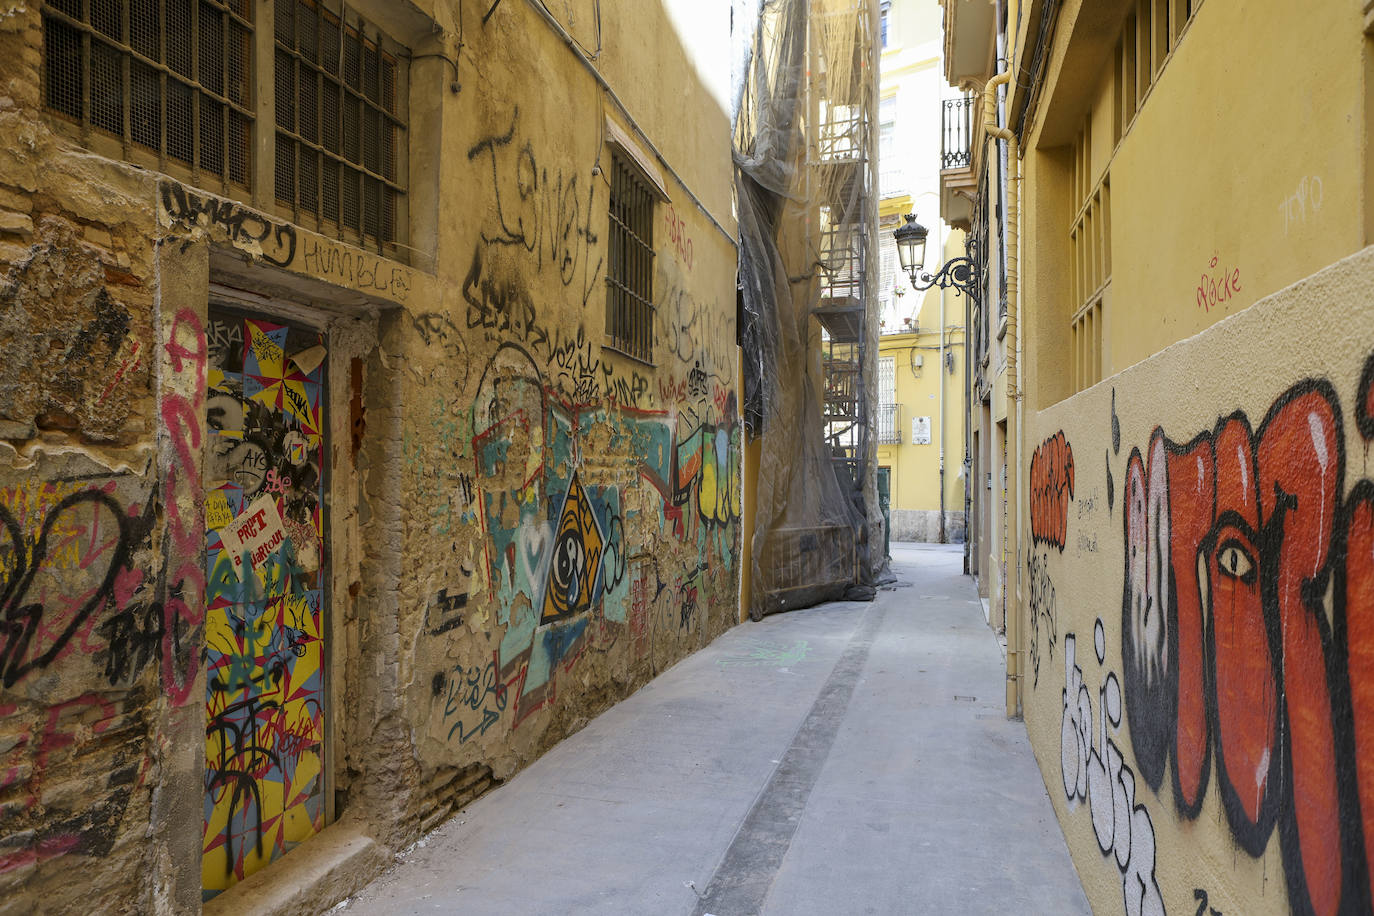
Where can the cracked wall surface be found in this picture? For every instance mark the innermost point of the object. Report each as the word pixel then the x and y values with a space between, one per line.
pixel 520 526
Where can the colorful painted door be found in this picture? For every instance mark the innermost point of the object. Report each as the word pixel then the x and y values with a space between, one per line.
pixel 265 565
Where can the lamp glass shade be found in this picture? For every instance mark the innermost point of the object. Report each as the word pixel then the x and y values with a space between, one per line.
pixel 911 245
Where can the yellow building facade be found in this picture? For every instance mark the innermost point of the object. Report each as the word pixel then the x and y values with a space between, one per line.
pixel 369 421
pixel 920 421
pixel 921 414
pixel 1180 389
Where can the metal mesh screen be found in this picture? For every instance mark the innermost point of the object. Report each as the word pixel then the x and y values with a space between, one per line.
pixel 169 76
pixel 340 123
pixel 630 265
pixel 806 136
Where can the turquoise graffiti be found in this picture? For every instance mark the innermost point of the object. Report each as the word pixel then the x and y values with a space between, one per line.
pixel 550 478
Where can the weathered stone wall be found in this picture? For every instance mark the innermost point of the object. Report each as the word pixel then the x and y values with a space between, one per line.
pixel 575 522
pixel 523 526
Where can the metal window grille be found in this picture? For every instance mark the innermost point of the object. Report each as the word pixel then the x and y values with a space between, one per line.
pixel 887 380
pixel 630 265
pixel 889 424
pixel 173 77
pixel 340 123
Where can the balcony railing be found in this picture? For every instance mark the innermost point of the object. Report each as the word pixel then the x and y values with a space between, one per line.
pixel 889 424
pixel 956 133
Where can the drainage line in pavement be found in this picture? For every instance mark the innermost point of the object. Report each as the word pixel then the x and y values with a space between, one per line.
pixel 746 873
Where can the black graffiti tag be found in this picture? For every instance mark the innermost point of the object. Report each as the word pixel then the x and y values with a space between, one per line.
pixel 501 306
pixel 40 610
pixel 241 225
pixel 545 216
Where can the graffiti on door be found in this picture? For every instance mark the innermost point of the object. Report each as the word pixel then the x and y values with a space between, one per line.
pixel 264 648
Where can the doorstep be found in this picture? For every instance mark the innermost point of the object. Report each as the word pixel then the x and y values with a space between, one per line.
pixel 313 877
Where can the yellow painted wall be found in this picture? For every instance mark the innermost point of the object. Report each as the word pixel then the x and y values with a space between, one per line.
pixel 1186 676
pixel 1199 697
pixel 915 468
pixel 912 22
pixel 1232 168
pixel 1219 159
pixel 909 167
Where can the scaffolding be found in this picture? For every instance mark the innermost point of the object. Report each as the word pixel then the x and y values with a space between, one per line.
pixel 807 169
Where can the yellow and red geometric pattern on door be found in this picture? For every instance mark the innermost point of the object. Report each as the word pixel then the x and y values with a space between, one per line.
pixel 265 565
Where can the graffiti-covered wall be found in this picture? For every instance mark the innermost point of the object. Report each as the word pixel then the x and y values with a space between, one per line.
pixel 573 514
pixel 300 538
pixel 1199 581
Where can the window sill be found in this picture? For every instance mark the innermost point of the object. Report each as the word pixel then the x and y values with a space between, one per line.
pixel 609 345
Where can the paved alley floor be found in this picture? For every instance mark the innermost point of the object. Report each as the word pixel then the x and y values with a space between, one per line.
pixel 849 758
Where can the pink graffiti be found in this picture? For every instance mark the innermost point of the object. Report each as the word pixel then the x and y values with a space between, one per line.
pixel 677 234
pixel 277 483
pixel 130 363
pixel 1219 288
pixel 67 724
pixel 184 608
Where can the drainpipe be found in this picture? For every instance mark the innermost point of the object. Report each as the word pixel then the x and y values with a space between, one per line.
pixel 1011 522
pixel 944 539
pixel 968 430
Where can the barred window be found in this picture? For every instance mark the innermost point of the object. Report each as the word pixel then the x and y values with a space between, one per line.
pixel 168 80
pixel 340 122
pixel 630 265
pixel 169 84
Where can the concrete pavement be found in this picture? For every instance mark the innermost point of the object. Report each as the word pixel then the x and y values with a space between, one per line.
pixel 849 758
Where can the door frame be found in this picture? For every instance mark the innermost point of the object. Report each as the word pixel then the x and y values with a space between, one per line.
pixel 244 304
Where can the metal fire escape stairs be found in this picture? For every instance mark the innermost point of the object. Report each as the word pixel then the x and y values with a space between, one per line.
pixel 842 168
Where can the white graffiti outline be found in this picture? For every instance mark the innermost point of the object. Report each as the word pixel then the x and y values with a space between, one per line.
pixel 1108 786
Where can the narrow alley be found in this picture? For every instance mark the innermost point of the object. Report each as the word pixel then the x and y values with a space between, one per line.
pixel 818 761
pixel 435 438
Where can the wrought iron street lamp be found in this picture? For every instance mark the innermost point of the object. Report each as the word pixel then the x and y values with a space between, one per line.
pixel 956 273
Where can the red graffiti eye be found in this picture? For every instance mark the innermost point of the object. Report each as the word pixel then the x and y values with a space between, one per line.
pixel 1234 560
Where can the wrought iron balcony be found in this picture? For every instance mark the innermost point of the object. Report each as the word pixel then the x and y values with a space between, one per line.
pixel 956 133
pixel 889 424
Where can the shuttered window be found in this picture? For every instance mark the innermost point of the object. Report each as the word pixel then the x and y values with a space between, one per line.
pixel 174 85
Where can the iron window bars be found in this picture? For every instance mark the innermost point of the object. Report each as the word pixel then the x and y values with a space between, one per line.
pixel 630 265
pixel 170 84
pixel 169 77
pixel 889 426
pixel 340 127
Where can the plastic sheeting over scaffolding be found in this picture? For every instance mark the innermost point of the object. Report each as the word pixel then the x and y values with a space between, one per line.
pixel 806 166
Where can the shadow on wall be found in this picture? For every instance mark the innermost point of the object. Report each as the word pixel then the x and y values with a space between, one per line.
pixel 99 600
pixel 606 496
pixel 555 540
